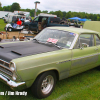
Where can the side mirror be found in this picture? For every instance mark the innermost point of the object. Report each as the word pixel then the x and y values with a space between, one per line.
pixel 84 45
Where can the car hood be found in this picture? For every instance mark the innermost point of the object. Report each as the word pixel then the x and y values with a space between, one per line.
pixel 21 49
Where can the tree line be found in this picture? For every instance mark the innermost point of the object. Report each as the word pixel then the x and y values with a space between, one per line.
pixel 62 14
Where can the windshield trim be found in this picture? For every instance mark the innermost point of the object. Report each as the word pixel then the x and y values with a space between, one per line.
pixel 74 41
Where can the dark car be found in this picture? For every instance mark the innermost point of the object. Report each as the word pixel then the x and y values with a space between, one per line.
pixel 41 22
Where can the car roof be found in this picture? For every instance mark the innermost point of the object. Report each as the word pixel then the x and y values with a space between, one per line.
pixel 74 30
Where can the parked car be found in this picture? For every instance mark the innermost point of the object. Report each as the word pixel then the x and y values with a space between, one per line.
pixel 44 20
pixel 54 54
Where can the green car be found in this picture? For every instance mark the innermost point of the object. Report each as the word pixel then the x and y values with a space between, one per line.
pixel 54 54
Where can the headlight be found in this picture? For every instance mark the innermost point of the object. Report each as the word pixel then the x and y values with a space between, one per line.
pixel 12 67
pixel 14 77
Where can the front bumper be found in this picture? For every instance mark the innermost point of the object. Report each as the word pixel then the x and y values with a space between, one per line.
pixel 13 85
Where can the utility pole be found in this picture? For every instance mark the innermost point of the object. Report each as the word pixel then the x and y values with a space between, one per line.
pixel 37 2
pixel 0 4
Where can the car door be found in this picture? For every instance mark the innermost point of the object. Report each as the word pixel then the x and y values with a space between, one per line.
pixel 34 24
pixel 85 54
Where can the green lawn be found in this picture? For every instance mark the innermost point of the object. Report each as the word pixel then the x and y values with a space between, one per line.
pixel 2 25
pixel 84 86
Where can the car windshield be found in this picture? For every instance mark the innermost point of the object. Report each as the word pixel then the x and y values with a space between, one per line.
pixel 61 38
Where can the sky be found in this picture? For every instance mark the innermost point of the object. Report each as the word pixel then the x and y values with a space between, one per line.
pixel 88 6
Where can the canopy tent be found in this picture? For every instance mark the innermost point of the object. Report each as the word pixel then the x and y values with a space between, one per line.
pixel 75 18
pixel 84 19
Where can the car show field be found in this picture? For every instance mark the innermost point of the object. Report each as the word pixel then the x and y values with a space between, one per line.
pixel 83 86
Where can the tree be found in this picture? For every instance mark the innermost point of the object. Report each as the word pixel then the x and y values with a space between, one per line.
pixel 45 11
pixel 59 13
pixel 38 12
pixel 64 13
pixel 15 6
pixel 69 14
pixel 7 8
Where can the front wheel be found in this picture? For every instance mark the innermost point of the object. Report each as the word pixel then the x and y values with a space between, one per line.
pixel 9 29
pixel 44 84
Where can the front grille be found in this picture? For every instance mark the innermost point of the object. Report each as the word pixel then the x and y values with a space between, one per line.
pixel 4 68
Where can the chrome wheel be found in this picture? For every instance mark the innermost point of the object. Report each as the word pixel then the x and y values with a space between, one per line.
pixel 44 84
pixel 47 84
pixel 10 29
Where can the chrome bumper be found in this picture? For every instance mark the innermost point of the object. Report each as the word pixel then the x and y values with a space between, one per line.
pixel 13 85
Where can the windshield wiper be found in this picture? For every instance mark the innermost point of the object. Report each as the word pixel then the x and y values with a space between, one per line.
pixel 53 44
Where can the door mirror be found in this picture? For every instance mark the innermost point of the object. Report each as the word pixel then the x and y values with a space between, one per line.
pixel 84 45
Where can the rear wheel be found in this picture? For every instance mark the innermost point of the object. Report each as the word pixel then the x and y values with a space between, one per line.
pixel 44 84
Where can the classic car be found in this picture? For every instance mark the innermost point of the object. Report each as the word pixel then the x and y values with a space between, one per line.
pixel 54 54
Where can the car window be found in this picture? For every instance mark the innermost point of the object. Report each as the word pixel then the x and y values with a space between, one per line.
pixel 97 40
pixel 61 38
pixel 36 19
pixel 54 20
pixel 87 39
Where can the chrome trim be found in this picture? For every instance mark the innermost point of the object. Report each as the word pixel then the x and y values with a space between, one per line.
pixel 8 73
pixel 73 43
pixel 5 67
pixel 10 82
pixel 14 64
pixel 85 57
pixel 18 77
pixel 4 61
pixel 63 61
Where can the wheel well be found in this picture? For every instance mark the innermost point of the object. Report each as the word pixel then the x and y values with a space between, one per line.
pixel 55 71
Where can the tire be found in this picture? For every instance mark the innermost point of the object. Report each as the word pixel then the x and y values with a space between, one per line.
pixel 44 84
pixel 9 29
pixel 5 29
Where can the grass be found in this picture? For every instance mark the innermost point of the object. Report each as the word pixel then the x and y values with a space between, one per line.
pixel 84 86
pixel 2 25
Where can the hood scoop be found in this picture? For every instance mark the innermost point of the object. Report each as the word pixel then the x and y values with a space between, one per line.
pixel 16 53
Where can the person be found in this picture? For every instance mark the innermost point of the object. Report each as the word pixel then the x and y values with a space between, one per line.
pixel 14 25
pixel 22 19
pixel 19 22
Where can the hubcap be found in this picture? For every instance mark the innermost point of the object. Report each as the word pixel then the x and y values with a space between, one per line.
pixel 47 84
pixel 9 29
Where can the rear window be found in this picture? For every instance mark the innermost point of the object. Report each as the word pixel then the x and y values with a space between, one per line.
pixel 55 20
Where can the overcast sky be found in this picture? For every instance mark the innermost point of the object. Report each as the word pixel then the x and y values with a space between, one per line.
pixel 89 6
